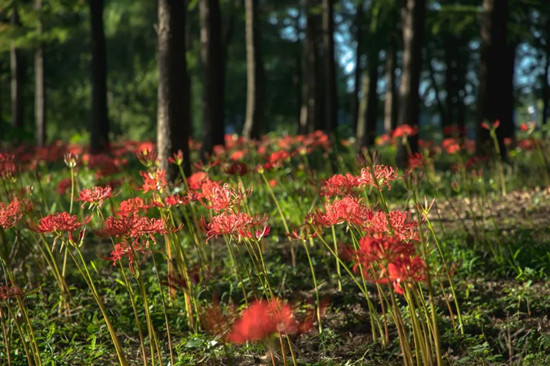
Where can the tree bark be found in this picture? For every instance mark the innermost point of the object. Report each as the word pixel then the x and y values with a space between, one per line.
pixel 40 92
pixel 213 84
pixel 359 29
pixel 310 116
pixel 331 94
pixel 545 86
pixel 390 102
pixel 173 123
pixel 99 131
pixel 413 15
pixel 254 73
pixel 371 111
pixel 494 75
pixel 17 74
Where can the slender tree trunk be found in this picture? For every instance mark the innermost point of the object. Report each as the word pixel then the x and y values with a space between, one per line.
pixel 173 123
pixel 254 73
pixel 40 94
pixel 413 15
pixel 545 87
pixel 17 73
pixel 371 110
pixel 494 74
pixel 99 131
pixel 390 102
pixel 359 29
pixel 310 117
pixel 331 95
pixel 213 85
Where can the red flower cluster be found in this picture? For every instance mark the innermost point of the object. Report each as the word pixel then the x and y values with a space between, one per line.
pixel 124 249
pixel 10 214
pixel 450 145
pixel 131 206
pixel 10 292
pixel 154 180
pixel 7 165
pixel 219 197
pixel 404 131
pixel 263 319
pixel 238 225
pixel 377 176
pixel 348 210
pixel 59 222
pixel 134 226
pixel 95 195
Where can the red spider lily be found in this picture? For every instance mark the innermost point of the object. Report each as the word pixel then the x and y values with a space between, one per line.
pixel 147 157
pixel 175 200
pixel 237 168
pixel 196 180
pixel 348 209
pixel 276 158
pixel 95 195
pixel 176 158
pixel 219 197
pixel 64 185
pixel 263 319
pixel 527 127
pixel 339 185
pixel 450 145
pixel 416 160
pixel 59 222
pixel 379 176
pixel 404 131
pixel 135 227
pixel 384 139
pixel 131 206
pixel 125 249
pixel 406 269
pixel 238 155
pixel 382 249
pixel 493 126
pixel 154 180
pixel 7 165
pixel 71 160
pixel 10 292
pixel 10 214
pixel 238 225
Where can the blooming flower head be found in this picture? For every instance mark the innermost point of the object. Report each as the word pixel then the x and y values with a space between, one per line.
pixel 219 197
pixel 348 210
pixel 59 222
pixel 154 180
pixel 7 165
pixel 238 225
pixel 404 131
pixel 95 195
pixel 131 206
pixel 263 319
pixel 377 176
pixel 339 185
pixel 10 214
pixel 450 145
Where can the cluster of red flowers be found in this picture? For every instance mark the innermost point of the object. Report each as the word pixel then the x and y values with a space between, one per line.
pixel 134 226
pixel 238 225
pixel 58 223
pixel 10 292
pixel 378 176
pixel 219 197
pixel 95 195
pixel 10 214
pixel 154 180
pixel 7 165
pixel 348 210
pixel 124 249
pixel 263 319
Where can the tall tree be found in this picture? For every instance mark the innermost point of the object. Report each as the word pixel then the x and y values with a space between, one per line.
pixel 39 94
pixel 413 15
pixel 17 74
pixel 311 112
pixel 213 84
pixel 359 30
pixel 495 74
pixel 173 123
pixel 390 99
pixel 331 95
pixel 99 129
pixel 254 74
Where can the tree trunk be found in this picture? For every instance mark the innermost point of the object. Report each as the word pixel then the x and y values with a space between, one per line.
pixel 359 29
pixel 254 73
pixel 17 74
pixel 40 94
pixel 331 95
pixel 545 87
pixel 413 16
pixel 494 74
pixel 99 131
pixel 173 123
pixel 390 102
pixel 371 112
pixel 213 85
pixel 310 116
